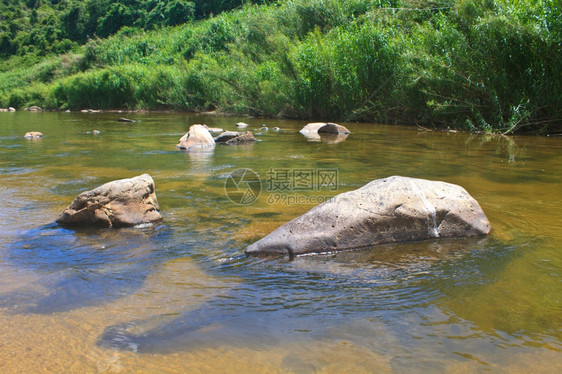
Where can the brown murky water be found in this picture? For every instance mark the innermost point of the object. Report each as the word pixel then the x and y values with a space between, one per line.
pixel 181 297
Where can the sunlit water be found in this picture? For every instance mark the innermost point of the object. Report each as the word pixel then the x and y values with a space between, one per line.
pixel 180 296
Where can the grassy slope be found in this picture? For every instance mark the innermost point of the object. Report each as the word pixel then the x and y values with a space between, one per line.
pixel 471 64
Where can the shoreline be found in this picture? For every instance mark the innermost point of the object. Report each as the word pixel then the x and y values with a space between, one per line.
pixel 218 113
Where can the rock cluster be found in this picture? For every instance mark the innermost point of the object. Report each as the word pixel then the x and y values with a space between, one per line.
pixel 390 210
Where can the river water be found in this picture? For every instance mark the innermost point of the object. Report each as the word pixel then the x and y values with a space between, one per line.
pixel 180 296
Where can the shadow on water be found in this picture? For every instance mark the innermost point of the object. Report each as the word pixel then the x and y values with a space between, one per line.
pixel 313 297
pixel 81 267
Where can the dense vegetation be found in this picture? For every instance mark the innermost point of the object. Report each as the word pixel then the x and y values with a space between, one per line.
pixel 471 64
pixel 44 26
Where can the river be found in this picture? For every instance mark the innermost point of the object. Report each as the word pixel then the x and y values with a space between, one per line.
pixel 180 296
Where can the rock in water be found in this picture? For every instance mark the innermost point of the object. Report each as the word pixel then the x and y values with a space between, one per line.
pixel 391 210
pixel 197 137
pixel 332 128
pixel 226 136
pixel 324 128
pixel 125 202
pixel 234 137
pixel 244 138
pixel 33 135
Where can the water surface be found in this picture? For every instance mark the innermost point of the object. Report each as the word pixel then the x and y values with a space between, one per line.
pixel 180 296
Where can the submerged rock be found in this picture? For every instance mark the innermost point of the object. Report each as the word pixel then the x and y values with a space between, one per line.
pixel 197 137
pixel 125 202
pixel 123 119
pixel 391 210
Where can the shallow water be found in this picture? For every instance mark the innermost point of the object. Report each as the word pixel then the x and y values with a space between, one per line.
pixel 180 296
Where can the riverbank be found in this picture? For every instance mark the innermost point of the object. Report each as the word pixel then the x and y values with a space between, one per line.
pixel 491 67
pixel 216 113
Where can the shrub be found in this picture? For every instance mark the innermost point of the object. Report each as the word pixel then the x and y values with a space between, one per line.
pixel 111 88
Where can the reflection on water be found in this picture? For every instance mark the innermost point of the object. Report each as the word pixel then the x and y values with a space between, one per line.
pixel 181 296
pixel 324 137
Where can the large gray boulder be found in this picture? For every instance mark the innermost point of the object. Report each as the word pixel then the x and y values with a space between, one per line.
pixel 390 210
pixel 125 202
pixel 198 136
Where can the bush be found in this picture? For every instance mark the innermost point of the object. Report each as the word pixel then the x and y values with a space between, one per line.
pixel 112 88
pixel 348 74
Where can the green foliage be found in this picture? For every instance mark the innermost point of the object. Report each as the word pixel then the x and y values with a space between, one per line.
pixel 346 74
pixel 485 65
pixel 41 27
pixel 112 88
